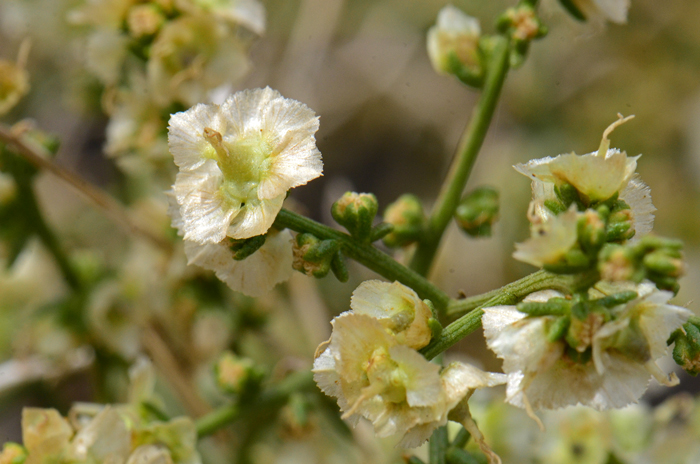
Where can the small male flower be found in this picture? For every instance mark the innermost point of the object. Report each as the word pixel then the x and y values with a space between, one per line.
pixel 238 160
pixel 586 180
pixel 453 45
pixel 602 364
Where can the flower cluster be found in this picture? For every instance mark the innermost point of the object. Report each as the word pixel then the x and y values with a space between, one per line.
pixel 370 364
pixel 237 162
pixel 112 433
pixel 157 55
pixel 600 352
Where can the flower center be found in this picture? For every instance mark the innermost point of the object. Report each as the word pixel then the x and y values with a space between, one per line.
pixel 243 163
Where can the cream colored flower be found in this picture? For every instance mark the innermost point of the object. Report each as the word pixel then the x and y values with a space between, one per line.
pixel 453 42
pixel 550 240
pixel 390 384
pixel 253 276
pixel 238 160
pixel 398 308
pixel 544 375
pixel 596 176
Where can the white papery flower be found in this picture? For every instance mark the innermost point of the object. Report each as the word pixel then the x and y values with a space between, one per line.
pixel 253 276
pixel 596 176
pixel 238 160
pixel 541 375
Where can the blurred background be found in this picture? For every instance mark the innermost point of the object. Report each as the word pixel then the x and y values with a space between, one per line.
pixel 390 125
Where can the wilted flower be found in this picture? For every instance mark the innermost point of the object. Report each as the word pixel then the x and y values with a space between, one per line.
pixel 602 364
pixel 238 160
pixel 595 177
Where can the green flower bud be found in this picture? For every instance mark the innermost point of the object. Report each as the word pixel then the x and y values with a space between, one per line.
pixel 620 226
pixel 407 217
pixel 355 212
pixel 313 256
pixel 686 351
pixel 523 26
pixel 477 211
pixel 591 231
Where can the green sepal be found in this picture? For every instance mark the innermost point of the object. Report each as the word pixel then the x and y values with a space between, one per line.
pixel 617 299
pixel 554 307
pixel 567 194
pixel 322 250
pixel 380 231
pixel 558 328
pixel 435 328
pixel 339 268
pixel 243 248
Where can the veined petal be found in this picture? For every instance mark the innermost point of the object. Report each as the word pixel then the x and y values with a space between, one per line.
pixel 397 307
pixel 253 276
pixel 638 196
pixel 206 216
pixel 185 135
pixel 356 337
pixel 423 386
pixel 255 218
pixel 551 241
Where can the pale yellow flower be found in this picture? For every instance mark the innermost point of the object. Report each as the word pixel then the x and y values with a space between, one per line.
pixel 543 375
pixel 238 160
pixel 550 240
pixel 453 42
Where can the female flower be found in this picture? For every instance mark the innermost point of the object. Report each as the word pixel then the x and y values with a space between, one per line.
pixel 595 177
pixel 371 367
pixel 238 160
pixel 597 362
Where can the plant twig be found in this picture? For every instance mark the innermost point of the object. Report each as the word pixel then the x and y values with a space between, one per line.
pixel 115 210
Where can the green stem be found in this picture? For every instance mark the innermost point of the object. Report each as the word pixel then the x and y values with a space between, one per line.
pixel 467 151
pixel 367 255
pixel 540 280
pixel 46 235
pixel 438 446
pixel 507 295
pixel 270 398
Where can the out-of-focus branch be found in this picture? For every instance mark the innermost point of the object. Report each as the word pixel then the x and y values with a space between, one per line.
pixel 38 156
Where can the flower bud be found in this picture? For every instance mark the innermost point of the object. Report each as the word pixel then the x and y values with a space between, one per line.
pixel 234 374
pixel 591 231
pixel 686 351
pixel 313 256
pixel 477 212
pixel 616 263
pixel 355 212
pixel 453 46
pixel 407 216
pixel 523 26
pixel 620 226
